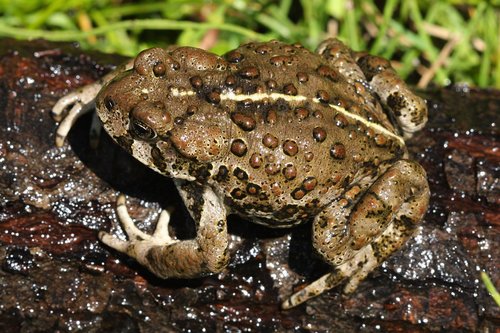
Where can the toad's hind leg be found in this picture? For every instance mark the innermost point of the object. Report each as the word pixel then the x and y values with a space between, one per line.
pixel 355 241
pixel 406 108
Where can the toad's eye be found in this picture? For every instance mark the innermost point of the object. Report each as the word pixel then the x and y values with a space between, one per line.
pixel 149 120
pixel 141 130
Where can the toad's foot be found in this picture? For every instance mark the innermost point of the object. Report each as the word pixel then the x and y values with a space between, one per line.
pixel 354 270
pixel 168 257
pixel 138 241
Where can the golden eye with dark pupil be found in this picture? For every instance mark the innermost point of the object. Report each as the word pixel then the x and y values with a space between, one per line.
pixel 141 130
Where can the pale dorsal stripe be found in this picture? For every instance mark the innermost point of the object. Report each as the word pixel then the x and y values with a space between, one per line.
pixel 376 127
pixel 231 96
pixel 181 93
pixel 260 96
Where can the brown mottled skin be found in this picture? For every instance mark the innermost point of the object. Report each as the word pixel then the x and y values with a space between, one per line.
pixel 279 135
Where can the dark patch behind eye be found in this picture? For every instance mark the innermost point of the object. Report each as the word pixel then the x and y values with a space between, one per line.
pixel 125 142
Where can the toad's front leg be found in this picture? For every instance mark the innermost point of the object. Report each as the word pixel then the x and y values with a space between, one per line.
pixel 75 104
pixel 171 258
pixel 356 238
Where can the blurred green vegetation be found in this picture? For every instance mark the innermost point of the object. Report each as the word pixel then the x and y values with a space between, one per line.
pixel 438 42
pixel 490 288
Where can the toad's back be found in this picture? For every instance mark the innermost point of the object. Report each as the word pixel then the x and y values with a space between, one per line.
pixel 301 133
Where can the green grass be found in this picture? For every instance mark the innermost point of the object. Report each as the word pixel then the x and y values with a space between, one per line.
pixel 436 42
pixel 490 288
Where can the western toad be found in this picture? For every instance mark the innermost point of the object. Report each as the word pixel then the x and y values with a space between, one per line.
pixel 272 132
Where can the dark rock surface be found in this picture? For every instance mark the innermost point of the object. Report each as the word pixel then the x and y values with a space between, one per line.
pixel 56 276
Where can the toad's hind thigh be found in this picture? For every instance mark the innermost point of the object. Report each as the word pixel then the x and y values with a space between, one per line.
pixel 356 241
